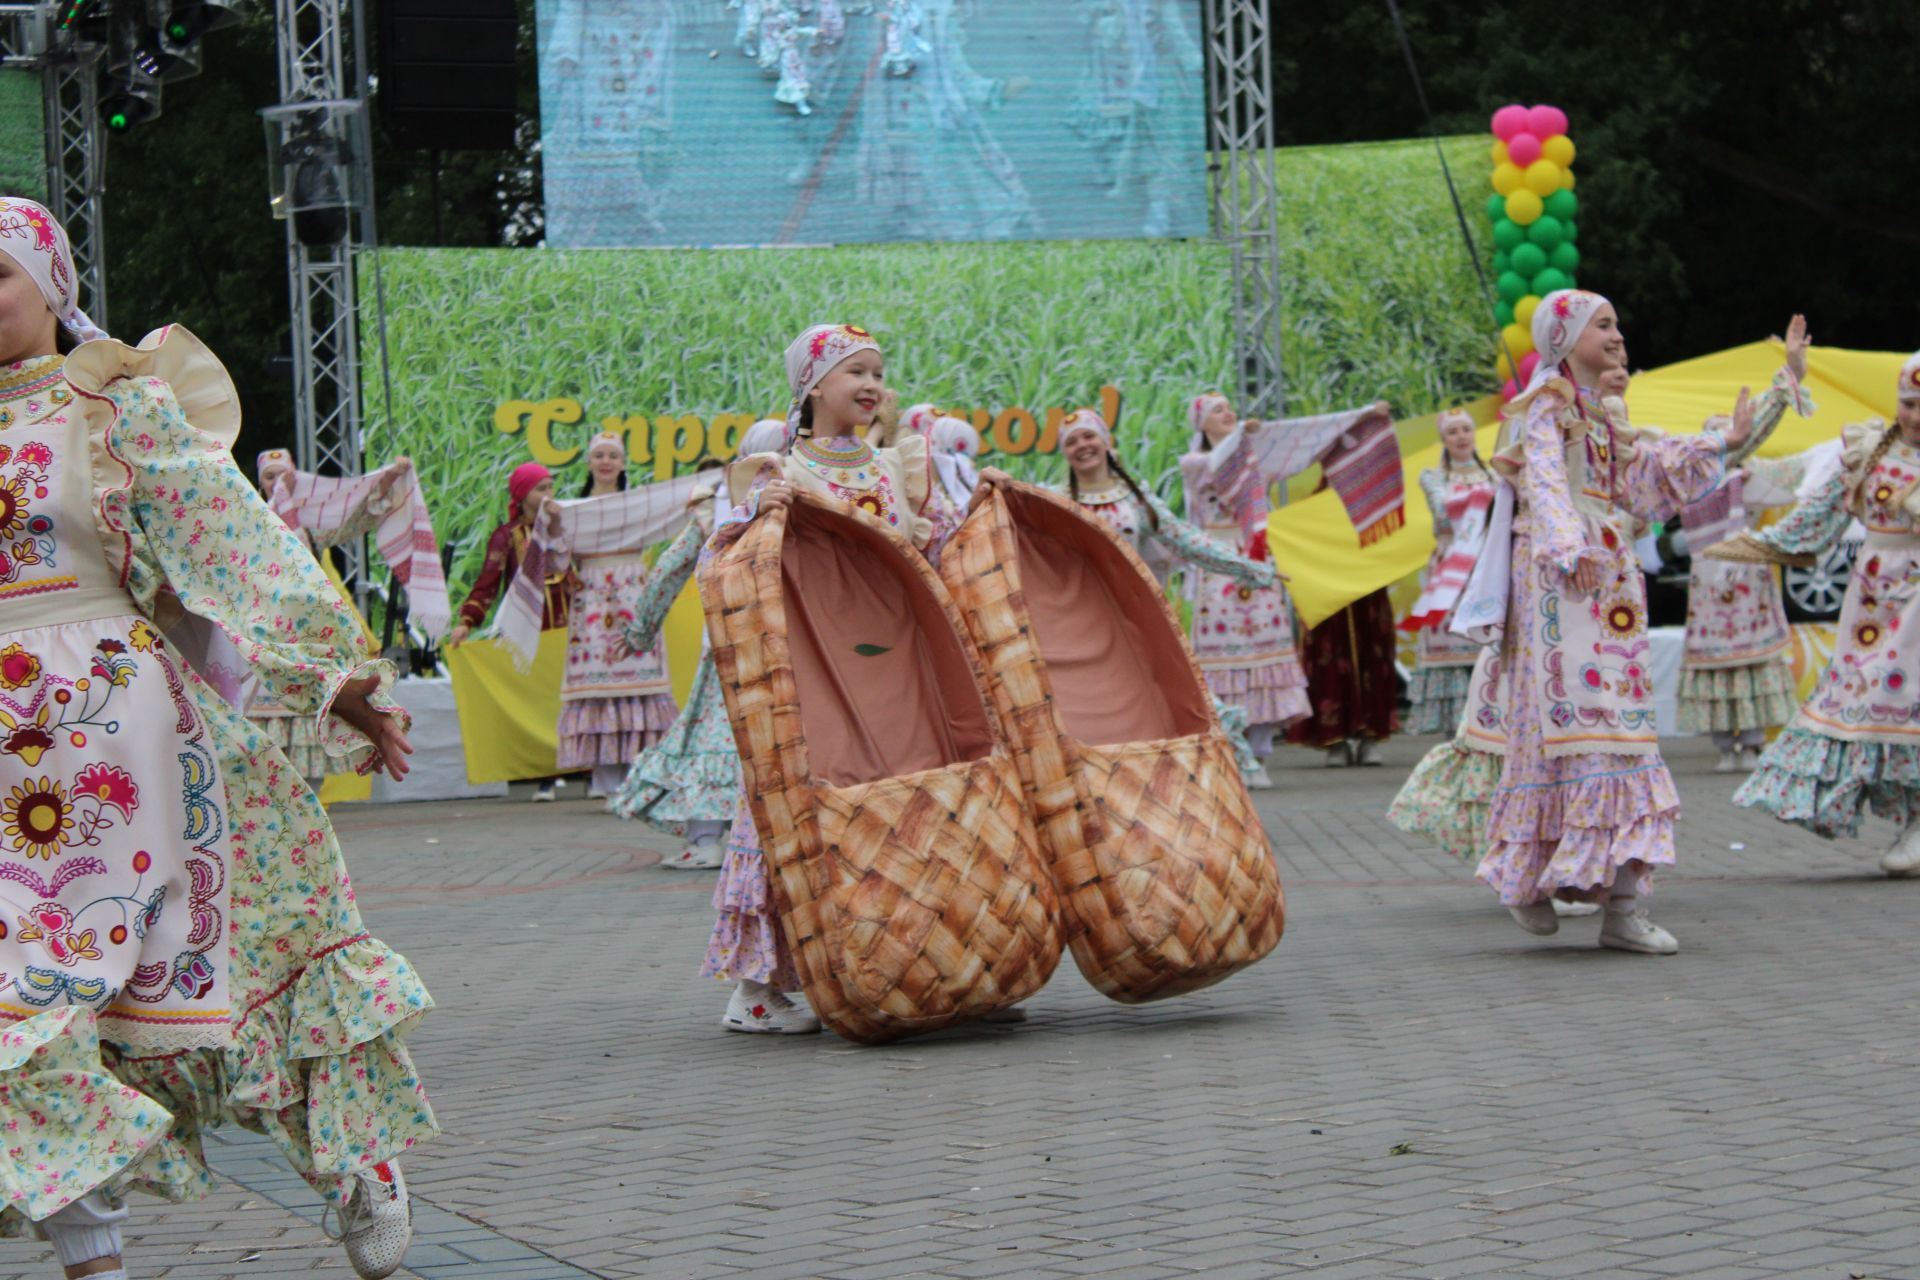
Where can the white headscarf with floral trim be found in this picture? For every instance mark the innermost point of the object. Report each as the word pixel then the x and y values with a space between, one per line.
pixel 813 355
pixel 1085 420
pixel 1198 410
pixel 1910 378
pixel 1558 322
pixel 33 238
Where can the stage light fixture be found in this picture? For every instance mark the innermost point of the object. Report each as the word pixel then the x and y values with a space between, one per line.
pixel 128 102
pixel 187 20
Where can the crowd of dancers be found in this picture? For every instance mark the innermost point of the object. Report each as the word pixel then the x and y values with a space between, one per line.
pixel 153 985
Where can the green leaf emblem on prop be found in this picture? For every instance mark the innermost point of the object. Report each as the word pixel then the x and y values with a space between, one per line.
pixel 870 650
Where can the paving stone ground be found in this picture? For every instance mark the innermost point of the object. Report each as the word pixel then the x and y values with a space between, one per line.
pixel 1408 1087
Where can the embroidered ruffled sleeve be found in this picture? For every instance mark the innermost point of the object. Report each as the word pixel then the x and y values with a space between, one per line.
pixel 1558 537
pixel 1768 412
pixel 1433 486
pixel 1665 473
pixel 198 527
pixel 1194 547
pixel 663 587
pixel 916 468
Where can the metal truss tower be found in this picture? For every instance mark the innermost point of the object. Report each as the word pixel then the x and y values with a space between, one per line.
pixel 314 43
pixel 1246 205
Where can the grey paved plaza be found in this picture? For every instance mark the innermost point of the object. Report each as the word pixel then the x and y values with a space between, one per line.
pixel 1408 1087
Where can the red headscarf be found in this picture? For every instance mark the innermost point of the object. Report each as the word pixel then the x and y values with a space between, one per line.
pixel 526 477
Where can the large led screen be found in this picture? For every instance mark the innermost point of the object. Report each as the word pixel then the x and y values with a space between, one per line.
pixel 771 122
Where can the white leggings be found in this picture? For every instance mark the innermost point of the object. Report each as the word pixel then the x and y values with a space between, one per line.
pixel 88 1228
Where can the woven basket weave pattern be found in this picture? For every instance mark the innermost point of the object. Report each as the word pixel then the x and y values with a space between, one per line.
pixel 1163 868
pixel 909 903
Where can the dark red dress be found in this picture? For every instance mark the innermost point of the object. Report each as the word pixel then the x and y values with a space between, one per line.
pixel 1350 678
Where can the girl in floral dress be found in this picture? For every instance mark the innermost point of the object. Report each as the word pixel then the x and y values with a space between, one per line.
pixel 1585 807
pixel 838 382
pixel 1853 744
pixel 1460 487
pixel 689 781
pixel 179 944
pixel 1242 634
pixel 614 701
pixel 1734 678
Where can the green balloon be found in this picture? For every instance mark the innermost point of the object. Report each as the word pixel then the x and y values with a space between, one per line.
pixel 1566 258
pixel 1563 205
pixel 1529 260
pixel 1497 207
pixel 1500 261
pixel 1513 286
pixel 1507 234
pixel 1572 230
pixel 1547 232
pixel 1550 280
pixel 1503 313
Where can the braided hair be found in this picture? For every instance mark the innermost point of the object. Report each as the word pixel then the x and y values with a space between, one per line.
pixel 1126 478
pixel 1857 485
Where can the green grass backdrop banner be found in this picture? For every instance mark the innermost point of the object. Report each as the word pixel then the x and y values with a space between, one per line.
pixel 23 154
pixel 498 356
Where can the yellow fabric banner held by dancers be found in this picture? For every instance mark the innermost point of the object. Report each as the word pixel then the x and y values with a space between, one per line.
pixel 508 717
pixel 1315 545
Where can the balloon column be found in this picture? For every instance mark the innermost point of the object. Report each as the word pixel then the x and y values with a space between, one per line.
pixel 1533 209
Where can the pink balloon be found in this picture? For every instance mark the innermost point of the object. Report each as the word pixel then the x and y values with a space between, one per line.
pixel 1528 363
pixel 1509 391
pixel 1523 149
pixel 1509 120
pixel 1544 121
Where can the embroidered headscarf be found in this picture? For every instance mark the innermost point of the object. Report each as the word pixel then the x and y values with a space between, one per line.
pixel 608 437
pixel 956 435
pixel 1558 322
pixel 1085 420
pixel 270 458
pixel 1198 410
pixel 1910 378
pixel 769 435
pixel 525 479
pixel 813 355
pixel 31 236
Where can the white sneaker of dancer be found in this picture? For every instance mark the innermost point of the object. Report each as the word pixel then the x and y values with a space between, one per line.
pixel 1339 756
pixel 700 855
pixel 1368 752
pixel 765 1011
pixel 1574 910
pixel 1537 918
pixel 1903 859
pixel 1633 931
pixel 1749 759
pixel 1260 779
pixel 377 1224
pixel 1727 763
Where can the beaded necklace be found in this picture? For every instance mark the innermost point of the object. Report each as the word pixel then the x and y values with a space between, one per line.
pixel 843 460
pixel 39 382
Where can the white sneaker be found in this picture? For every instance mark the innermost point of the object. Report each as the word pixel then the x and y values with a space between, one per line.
pixel 1632 931
pixel 1260 779
pixel 377 1224
pixel 767 1012
pixel 1749 759
pixel 1338 756
pixel 1537 918
pixel 1727 763
pixel 1368 754
pixel 1903 859
pixel 708 855
pixel 688 859
pixel 1574 910
pixel 543 794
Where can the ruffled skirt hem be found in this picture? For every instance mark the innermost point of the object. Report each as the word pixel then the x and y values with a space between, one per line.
pixel 1273 694
pixel 1569 837
pixel 597 731
pixel 747 944
pixel 1736 699
pixel 1825 784
pixel 1439 698
pixel 1447 799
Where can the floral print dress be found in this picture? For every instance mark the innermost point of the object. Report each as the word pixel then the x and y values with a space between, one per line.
pixel 1438 691
pixel 1583 791
pixel 1243 634
pixel 1855 743
pixel 612 705
pixel 179 945
pixel 693 773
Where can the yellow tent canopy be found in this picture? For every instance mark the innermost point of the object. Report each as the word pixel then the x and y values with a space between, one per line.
pixel 1314 543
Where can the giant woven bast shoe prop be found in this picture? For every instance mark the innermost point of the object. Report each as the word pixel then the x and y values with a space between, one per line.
pixel 1164 872
pixel 901 855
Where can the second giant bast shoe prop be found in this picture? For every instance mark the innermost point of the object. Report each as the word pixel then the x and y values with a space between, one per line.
pixel 901 854
pixel 1164 872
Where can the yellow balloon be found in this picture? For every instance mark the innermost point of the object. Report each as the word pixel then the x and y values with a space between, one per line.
pixel 1499 153
pixel 1543 177
pixel 1508 179
pixel 1524 207
pixel 1523 310
pixel 1519 341
pixel 1567 179
pixel 1559 149
pixel 1504 368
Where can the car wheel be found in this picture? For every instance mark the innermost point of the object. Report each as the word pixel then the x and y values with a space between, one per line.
pixel 1815 594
